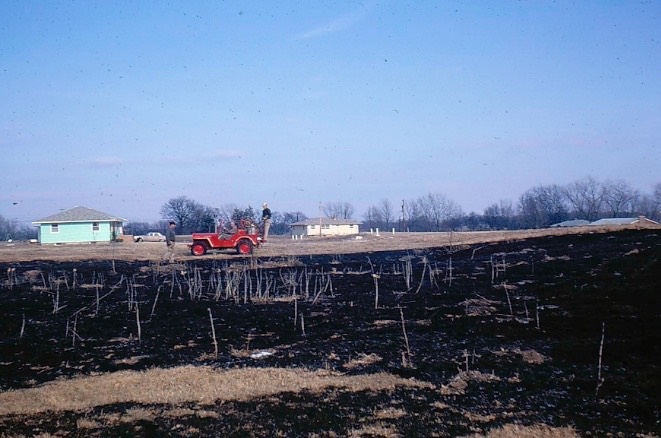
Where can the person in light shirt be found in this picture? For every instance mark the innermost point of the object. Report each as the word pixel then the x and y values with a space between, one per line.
pixel 266 218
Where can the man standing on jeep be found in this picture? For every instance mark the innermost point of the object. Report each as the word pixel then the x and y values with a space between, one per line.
pixel 169 242
pixel 266 218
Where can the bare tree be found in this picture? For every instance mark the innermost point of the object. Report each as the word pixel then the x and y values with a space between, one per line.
pixel 586 197
pixel 648 208
pixel 656 198
pixel 11 229
pixel 500 215
pixel 338 210
pixel 225 211
pixel 387 214
pixel 291 217
pixel 542 206
pixel 413 215
pixel 620 197
pixel 178 209
pixel 649 205
pixel 557 204
pixel 281 222
pixel 372 217
pixel 437 208
pixel 531 211
pixel 190 215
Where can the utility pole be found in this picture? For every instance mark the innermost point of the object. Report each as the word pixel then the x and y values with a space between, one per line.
pixel 320 219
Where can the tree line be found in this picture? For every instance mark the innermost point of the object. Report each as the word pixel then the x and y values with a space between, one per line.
pixel 537 207
pixel 11 229
pixel 191 216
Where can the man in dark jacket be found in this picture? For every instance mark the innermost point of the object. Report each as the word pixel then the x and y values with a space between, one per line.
pixel 169 242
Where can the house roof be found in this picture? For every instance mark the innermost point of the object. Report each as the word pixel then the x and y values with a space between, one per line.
pixel 79 214
pixel 572 223
pixel 327 221
pixel 621 221
pixel 616 221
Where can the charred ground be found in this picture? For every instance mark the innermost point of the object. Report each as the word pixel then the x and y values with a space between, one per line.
pixel 506 332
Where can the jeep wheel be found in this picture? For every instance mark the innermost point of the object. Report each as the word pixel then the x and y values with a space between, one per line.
pixel 244 246
pixel 198 249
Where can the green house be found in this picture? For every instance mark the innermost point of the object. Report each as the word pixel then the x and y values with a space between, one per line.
pixel 79 225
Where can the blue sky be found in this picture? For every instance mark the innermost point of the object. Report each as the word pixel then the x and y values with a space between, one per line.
pixel 120 106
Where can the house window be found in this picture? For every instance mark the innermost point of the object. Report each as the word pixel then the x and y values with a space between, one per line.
pixel 95 226
pixel 312 227
pixel 54 228
pixel 325 227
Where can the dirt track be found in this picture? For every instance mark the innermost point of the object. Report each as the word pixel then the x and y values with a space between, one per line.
pixel 278 245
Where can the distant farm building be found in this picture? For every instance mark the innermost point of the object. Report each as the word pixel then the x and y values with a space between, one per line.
pixel 79 225
pixel 572 223
pixel 641 221
pixel 325 227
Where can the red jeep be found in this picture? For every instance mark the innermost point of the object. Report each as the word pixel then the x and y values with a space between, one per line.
pixel 244 240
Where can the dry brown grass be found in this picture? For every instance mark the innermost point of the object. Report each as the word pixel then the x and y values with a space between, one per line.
pixel 376 430
pixel 459 383
pixel 363 360
pixel 528 356
pixel 203 385
pixel 535 431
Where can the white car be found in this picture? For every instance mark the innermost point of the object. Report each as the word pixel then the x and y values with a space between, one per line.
pixel 153 236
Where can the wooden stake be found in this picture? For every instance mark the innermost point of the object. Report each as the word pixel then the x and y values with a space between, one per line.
pixel 213 335
pixel 600 380
pixel 137 319
pixel 422 277
pixel 509 302
pixel 537 313
pixel 406 339
pixel 153 307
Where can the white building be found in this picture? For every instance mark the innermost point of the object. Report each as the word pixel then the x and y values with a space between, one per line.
pixel 325 226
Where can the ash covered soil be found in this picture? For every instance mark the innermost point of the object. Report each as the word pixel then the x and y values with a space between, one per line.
pixel 558 332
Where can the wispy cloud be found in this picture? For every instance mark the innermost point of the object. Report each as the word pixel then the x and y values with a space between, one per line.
pixel 333 26
pixel 105 162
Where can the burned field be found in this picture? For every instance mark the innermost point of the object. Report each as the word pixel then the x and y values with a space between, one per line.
pixel 560 333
